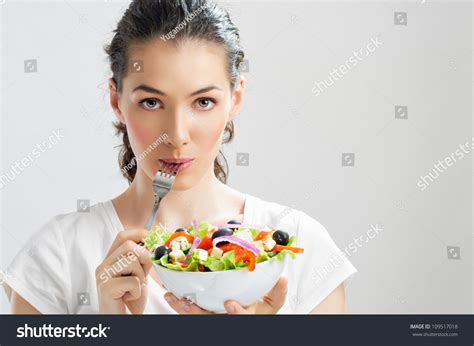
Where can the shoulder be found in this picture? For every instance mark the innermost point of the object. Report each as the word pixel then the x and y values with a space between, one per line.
pixel 74 228
pixel 278 215
pixel 314 274
pixel 67 243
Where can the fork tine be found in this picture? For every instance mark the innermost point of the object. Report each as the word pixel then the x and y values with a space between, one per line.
pixel 174 169
pixel 171 170
pixel 168 171
pixel 164 170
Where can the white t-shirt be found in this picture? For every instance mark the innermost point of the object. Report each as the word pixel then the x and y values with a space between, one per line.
pixel 55 271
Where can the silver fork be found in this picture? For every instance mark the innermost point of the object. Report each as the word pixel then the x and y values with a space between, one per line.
pixel 162 183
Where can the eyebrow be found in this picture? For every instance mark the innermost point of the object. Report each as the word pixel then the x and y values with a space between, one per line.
pixel 149 89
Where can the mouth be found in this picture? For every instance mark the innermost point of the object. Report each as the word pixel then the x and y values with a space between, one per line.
pixel 176 165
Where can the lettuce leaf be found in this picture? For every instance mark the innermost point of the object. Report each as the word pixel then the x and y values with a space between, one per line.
pixel 229 260
pixel 166 236
pixel 291 240
pixel 202 229
pixel 262 257
pixel 192 265
pixel 254 232
pixel 155 238
pixel 279 255
pixel 164 262
pixel 215 264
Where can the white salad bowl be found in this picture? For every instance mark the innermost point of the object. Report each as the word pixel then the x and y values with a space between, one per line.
pixel 210 290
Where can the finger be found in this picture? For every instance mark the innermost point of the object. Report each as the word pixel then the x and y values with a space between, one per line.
pixel 135 305
pixel 234 308
pixel 144 257
pixel 130 296
pixel 183 306
pixel 126 265
pixel 116 288
pixel 275 298
pixel 112 292
pixel 135 235
pixel 132 268
pixel 129 248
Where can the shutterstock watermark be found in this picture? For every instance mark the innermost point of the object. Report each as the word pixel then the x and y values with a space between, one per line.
pixel 18 167
pixel 48 331
pixel 123 261
pixel 337 259
pixel 343 69
pixel 172 34
pixel 455 156
pixel 145 153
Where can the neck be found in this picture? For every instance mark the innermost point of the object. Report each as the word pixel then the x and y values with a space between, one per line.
pixel 202 201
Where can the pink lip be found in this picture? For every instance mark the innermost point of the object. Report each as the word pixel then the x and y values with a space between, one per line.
pixel 176 165
pixel 176 160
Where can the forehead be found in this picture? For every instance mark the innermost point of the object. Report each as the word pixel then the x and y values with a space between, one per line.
pixel 177 66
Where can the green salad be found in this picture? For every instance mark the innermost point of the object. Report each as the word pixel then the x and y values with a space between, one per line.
pixel 205 247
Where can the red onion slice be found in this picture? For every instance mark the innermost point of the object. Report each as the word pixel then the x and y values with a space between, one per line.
pixel 196 241
pixel 235 240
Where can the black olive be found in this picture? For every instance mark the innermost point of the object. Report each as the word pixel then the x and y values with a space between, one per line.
pixel 181 230
pixel 160 251
pixel 233 222
pixel 281 237
pixel 222 232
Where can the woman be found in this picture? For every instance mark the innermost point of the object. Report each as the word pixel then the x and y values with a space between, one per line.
pixel 176 86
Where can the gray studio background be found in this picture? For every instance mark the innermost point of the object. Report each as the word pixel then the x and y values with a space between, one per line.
pixel 351 156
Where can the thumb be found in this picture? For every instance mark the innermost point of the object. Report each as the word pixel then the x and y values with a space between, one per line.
pixel 137 306
pixel 234 308
pixel 275 298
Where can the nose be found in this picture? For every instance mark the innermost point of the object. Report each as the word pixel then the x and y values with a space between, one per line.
pixel 177 128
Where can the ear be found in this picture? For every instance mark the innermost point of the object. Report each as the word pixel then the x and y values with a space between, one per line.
pixel 114 100
pixel 237 98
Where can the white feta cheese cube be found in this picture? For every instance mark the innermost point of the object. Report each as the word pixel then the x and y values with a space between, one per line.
pixel 184 243
pixel 216 252
pixel 175 244
pixel 201 254
pixel 177 256
pixel 268 244
pixel 180 243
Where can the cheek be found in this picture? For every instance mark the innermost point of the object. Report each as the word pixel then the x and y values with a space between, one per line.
pixel 139 134
pixel 209 138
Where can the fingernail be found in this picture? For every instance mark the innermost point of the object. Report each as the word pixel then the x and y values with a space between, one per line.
pixel 186 307
pixel 230 308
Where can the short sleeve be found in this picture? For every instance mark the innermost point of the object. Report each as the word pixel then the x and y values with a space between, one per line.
pixel 39 272
pixel 321 268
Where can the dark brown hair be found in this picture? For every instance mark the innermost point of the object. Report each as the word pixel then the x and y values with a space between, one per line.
pixel 145 20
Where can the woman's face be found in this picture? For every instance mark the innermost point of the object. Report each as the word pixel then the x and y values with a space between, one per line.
pixel 182 92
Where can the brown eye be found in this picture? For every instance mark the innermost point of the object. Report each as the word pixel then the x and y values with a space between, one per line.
pixel 205 103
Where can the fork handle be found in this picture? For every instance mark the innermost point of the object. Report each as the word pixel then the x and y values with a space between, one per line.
pixel 152 216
